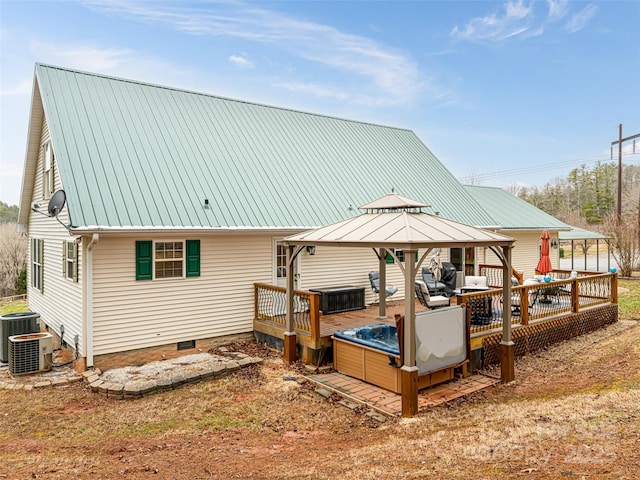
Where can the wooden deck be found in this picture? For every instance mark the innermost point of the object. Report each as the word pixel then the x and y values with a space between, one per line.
pixel 359 318
pixel 389 403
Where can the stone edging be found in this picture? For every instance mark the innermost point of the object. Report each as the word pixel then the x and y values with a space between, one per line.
pixel 143 387
pixel 40 383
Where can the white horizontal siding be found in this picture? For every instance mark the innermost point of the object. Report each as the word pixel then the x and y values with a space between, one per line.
pixel 60 303
pixel 130 313
pixel 350 266
pixel 526 252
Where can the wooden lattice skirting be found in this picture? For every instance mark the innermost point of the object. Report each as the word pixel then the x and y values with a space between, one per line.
pixel 540 335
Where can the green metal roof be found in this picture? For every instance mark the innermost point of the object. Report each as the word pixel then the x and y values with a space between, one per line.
pixel 511 212
pixel 581 234
pixel 132 155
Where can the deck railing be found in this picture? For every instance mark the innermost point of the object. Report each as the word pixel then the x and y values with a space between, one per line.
pixel 494 275
pixel 529 303
pixel 540 301
pixel 270 304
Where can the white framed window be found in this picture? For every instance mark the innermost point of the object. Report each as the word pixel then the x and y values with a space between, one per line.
pixel 48 181
pixel 70 260
pixel 281 261
pixel 169 259
pixel 37 263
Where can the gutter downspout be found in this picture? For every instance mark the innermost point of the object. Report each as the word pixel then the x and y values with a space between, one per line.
pixel 95 238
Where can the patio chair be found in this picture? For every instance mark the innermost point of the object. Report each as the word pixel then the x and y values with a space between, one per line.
pixel 374 279
pixel 515 298
pixel 426 300
pixel 435 288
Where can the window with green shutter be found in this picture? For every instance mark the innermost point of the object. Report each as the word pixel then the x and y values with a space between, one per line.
pixel 48 174
pixel 400 254
pixel 70 260
pixel 193 258
pixel 144 265
pixel 37 264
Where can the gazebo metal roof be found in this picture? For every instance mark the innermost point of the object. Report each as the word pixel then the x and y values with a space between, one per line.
pixel 398 222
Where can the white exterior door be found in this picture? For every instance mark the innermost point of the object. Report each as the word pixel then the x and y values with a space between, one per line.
pixel 280 266
pixel 280 279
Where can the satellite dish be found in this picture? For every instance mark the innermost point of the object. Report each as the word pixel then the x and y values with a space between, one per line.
pixel 56 203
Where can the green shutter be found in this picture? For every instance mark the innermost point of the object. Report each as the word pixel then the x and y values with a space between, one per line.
pixel 33 253
pixel 390 259
pixel 75 262
pixel 64 259
pixel 144 259
pixel 41 242
pixel 193 258
pixel 52 180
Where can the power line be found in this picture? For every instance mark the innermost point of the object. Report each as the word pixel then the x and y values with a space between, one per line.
pixel 534 168
pixel 619 143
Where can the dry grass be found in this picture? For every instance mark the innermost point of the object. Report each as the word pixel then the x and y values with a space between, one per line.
pixel 573 411
pixel 629 301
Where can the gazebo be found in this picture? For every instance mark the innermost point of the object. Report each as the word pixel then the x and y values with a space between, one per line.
pixel 395 223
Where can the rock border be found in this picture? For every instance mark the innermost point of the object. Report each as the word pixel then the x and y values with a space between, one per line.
pixel 39 383
pixel 144 387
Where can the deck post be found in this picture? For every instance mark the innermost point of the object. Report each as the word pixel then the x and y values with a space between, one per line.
pixel 382 271
pixel 507 347
pixel 290 353
pixel 314 316
pixel 575 296
pixel 409 370
pixel 409 384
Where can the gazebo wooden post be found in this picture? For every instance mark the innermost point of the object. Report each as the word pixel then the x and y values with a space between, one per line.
pixel 507 347
pixel 409 370
pixel 290 347
pixel 382 271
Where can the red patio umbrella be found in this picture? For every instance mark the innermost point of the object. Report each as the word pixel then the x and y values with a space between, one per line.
pixel 544 264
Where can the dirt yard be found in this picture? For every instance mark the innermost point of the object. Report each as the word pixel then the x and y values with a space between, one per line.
pixel 573 412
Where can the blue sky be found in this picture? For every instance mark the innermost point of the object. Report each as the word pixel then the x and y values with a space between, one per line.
pixel 502 92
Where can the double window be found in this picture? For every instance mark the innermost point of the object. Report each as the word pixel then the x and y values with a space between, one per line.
pixel 70 260
pixel 167 259
pixel 37 263
pixel 48 180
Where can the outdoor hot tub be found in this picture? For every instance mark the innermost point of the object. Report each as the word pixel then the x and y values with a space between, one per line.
pixel 379 336
pixel 371 353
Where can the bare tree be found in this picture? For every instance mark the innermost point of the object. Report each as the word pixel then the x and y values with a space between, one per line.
pixel 625 240
pixel 13 257
pixel 473 178
pixel 514 188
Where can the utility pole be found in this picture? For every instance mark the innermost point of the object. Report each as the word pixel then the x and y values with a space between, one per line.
pixel 619 143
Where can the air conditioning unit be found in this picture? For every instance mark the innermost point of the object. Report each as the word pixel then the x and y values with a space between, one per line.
pixel 16 324
pixel 30 353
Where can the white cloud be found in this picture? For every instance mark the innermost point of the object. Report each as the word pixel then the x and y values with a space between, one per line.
pixel 240 61
pixel 314 89
pixel 558 9
pixel 519 20
pixel 515 21
pixel 579 20
pixel 387 72
pixel 23 88
pixel 82 57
